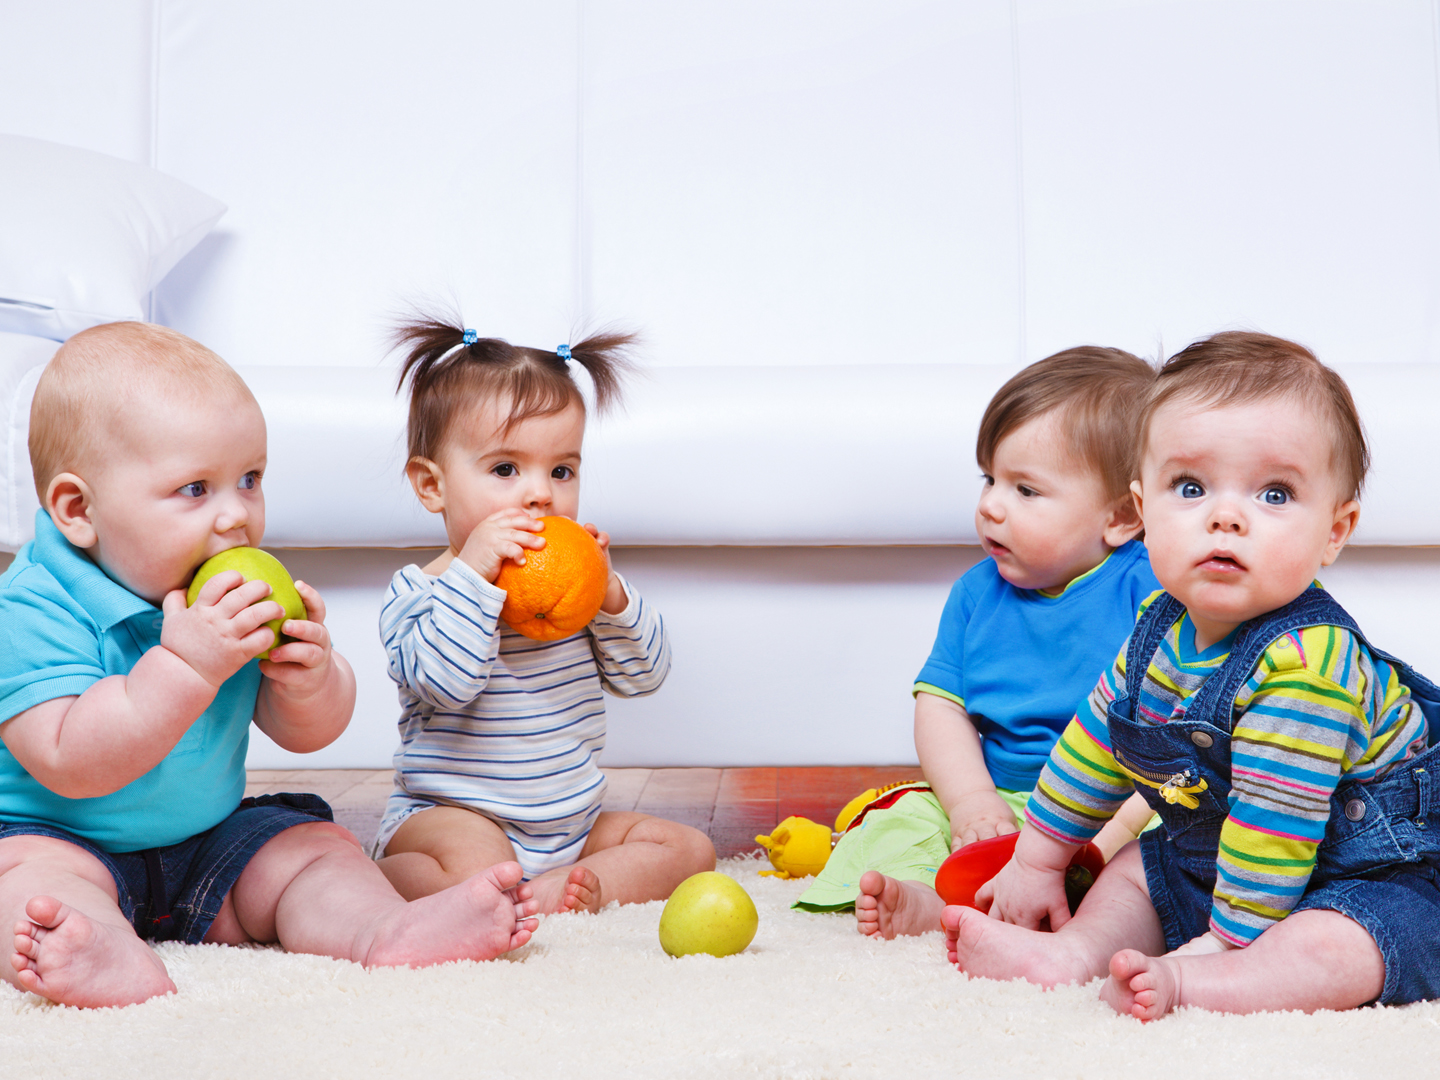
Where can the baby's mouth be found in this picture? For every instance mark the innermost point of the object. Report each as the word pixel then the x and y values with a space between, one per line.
pixel 1221 562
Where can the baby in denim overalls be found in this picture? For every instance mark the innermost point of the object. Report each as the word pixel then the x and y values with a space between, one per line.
pixel 1288 757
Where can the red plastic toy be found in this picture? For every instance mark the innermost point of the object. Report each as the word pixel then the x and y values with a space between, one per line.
pixel 974 864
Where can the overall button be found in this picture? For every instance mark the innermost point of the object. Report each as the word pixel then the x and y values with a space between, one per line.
pixel 1355 809
pixel 1202 740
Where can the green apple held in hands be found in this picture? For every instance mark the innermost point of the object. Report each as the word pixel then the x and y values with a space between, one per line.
pixel 255 565
pixel 708 913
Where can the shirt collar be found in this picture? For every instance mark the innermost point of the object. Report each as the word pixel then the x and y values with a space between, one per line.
pixel 106 600
pixel 1079 582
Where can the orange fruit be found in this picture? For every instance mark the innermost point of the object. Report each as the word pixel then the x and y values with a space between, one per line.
pixel 560 588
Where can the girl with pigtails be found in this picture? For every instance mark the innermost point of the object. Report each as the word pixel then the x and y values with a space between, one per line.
pixel 500 735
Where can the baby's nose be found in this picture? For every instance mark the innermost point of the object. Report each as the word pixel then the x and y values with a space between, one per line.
pixel 1227 520
pixel 234 515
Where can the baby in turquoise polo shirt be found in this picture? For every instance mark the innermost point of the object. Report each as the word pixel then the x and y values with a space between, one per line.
pixel 125 714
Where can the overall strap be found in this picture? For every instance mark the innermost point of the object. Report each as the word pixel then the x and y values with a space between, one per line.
pixel 1150 630
pixel 1215 700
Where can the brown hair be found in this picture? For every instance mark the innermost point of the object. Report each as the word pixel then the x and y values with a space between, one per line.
pixel 1239 367
pixel 1098 393
pixel 447 376
pixel 86 388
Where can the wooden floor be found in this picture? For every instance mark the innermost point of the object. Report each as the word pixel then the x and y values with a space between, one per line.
pixel 730 805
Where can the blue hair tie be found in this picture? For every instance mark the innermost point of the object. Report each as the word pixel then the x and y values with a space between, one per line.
pixel 564 353
pixel 471 337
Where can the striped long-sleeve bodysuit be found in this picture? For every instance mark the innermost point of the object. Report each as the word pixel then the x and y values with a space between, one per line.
pixel 1318 707
pixel 501 724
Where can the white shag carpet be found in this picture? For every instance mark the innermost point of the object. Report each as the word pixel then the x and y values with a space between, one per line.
pixel 594 996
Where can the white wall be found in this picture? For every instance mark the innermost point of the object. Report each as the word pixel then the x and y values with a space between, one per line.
pixel 79 72
pixel 814 181
pixel 1195 166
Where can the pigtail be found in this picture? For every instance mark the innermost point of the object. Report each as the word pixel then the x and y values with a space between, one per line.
pixel 428 339
pixel 437 354
pixel 450 369
pixel 606 357
pixel 435 344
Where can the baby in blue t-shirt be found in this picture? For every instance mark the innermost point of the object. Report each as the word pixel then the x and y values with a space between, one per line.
pixel 1022 638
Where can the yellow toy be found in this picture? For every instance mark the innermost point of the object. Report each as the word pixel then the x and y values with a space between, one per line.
pixel 798 848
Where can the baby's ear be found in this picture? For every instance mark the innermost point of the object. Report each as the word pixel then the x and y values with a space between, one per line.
pixel 425 478
pixel 67 501
pixel 1124 522
pixel 1347 516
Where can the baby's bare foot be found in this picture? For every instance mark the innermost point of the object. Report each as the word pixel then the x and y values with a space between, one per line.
pixel 980 945
pixel 479 919
pixel 574 888
pixel 1144 986
pixel 582 891
pixel 69 958
pixel 893 908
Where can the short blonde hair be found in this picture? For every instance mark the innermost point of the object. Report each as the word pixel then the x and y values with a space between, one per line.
pixel 1095 392
pixel 1241 367
pixel 97 373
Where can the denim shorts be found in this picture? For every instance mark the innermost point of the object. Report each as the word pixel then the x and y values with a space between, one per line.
pixel 195 875
pixel 1377 866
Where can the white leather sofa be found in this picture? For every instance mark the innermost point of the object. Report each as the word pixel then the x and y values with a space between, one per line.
pixel 839 226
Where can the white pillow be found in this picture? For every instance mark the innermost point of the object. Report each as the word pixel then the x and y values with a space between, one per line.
pixel 85 236
pixel 22 359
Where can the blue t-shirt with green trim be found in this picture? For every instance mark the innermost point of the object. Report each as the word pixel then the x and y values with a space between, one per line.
pixel 1021 662
pixel 64 626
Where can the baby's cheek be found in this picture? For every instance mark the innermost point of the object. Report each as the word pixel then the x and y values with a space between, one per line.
pixel 1164 565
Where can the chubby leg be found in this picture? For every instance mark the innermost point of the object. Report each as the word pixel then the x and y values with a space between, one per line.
pixel 1310 960
pixel 437 848
pixel 313 890
pixel 629 858
pixel 72 944
pixel 1116 914
pixel 891 908
pixel 1125 826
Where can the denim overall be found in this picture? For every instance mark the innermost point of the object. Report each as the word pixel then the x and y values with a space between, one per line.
pixel 1377 861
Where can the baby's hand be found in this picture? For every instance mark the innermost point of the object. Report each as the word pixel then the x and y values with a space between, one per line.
pixel 979 816
pixel 308 692
pixel 505 534
pixel 224 629
pixel 301 664
pixel 1026 895
pixel 615 599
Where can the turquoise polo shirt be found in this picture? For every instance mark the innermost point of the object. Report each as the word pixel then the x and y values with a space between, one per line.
pixel 65 625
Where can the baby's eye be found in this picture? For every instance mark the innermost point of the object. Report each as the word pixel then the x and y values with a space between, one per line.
pixel 249 482
pixel 505 469
pixel 1189 489
pixel 989 480
pixel 193 490
pixel 1025 491
pixel 562 472
pixel 1275 496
